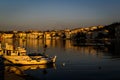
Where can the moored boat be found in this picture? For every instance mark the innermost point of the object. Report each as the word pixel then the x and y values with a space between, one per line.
pixel 19 56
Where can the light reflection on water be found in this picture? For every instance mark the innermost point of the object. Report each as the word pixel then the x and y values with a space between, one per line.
pixel 74 62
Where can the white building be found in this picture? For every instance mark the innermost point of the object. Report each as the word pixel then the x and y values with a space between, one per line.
pixel 7 36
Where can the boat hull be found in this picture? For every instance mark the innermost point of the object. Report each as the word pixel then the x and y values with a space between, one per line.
pixel 26 60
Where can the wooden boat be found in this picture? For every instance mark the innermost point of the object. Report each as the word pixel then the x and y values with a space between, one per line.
pixel 19 56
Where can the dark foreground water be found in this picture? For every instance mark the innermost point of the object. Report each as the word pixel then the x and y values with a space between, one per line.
pixel 73 62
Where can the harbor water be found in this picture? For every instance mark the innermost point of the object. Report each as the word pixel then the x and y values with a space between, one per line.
pixel 74 62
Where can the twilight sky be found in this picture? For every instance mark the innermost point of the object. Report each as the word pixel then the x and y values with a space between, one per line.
pixel 57 14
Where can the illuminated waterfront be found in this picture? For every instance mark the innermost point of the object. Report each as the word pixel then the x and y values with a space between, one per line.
pixel 73 62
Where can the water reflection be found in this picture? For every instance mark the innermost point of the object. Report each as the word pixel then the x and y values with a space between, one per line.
pixel 73 61
pixel 22 70
pixel 111 48
pixel 114 49
pixel 19 70
pixel 2 68
pixel 36 45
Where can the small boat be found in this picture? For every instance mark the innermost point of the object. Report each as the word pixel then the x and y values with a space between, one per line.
pixel 19 56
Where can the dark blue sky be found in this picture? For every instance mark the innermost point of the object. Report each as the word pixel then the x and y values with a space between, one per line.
pixel 57 14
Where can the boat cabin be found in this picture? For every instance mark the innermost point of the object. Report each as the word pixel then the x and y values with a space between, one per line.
pixel 9 50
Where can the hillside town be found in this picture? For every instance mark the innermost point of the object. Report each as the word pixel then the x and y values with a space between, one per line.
pixel 108 32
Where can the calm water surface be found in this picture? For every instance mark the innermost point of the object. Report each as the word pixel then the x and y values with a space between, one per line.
pixel 73 62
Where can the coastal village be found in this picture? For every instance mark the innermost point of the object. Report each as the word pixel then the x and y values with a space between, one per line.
pixel 59 39
pixel 111 31
pixel 99 35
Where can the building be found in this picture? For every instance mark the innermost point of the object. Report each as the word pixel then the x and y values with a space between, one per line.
pixel 7 36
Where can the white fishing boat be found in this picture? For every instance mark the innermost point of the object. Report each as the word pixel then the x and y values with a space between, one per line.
pixel 19 56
